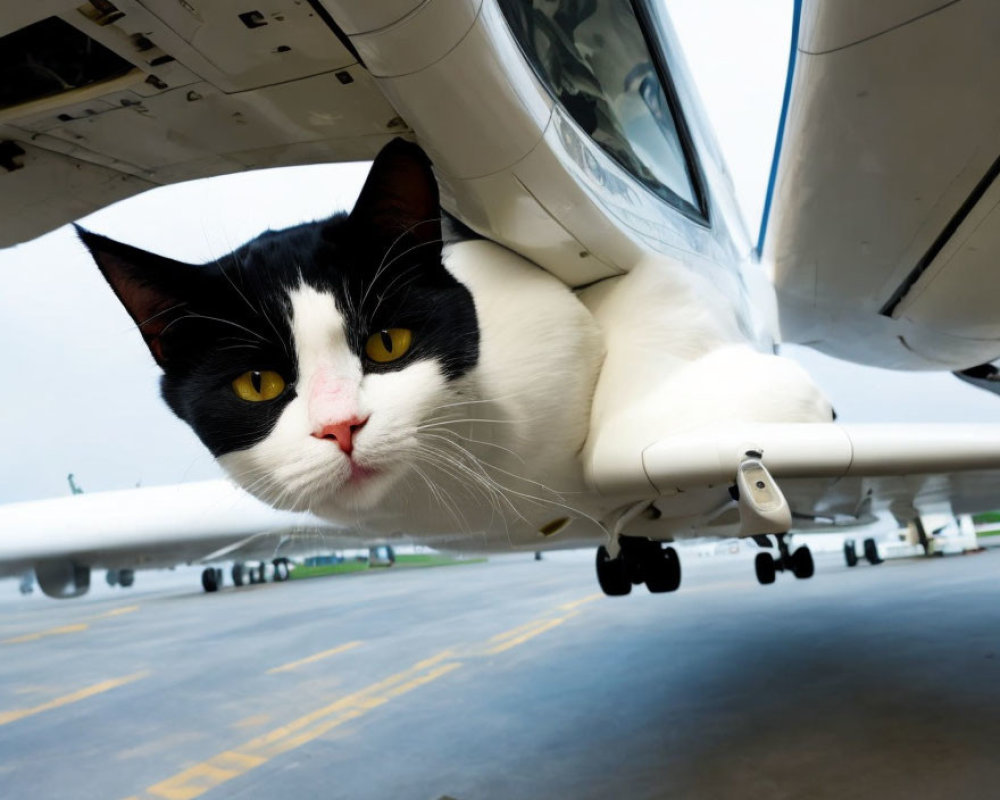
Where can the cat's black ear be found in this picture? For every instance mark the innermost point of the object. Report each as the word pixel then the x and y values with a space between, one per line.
pixel 399 205
pixel 150 287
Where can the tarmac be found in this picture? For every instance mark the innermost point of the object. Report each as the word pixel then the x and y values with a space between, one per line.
pixel 511 679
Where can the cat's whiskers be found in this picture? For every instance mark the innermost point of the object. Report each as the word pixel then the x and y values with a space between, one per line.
pixel 214 319
pixel 433 423
pixel 160 313
pixel 479 442
pixel 501 399
pixel 476 490
pixel 258 311
pixel 483 465
pixel 479 487
pixel 473 470
pixel 383 266
pixel 236 288
pixel 408 273
pixel 239 347
pixel 443 499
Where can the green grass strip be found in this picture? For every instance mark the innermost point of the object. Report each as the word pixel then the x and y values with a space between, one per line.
pixel 402 562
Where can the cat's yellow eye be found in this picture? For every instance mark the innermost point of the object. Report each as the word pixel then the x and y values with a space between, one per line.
pixel 388 345
pixel 257 386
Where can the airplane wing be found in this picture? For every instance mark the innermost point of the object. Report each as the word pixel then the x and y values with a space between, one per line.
pixel 884 209
pixel 103 100
pixel 834 471
pixel 62 539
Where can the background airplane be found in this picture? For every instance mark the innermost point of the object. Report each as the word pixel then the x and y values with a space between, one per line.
pixel 519 169
pixel 62 540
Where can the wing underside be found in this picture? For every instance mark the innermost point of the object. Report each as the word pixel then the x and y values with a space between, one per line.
pixel 829 471
pixel 884 228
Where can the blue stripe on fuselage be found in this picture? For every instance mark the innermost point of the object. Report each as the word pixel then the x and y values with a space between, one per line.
pixel 796 14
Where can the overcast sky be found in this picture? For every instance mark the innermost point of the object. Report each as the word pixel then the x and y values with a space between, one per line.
pixel 80 389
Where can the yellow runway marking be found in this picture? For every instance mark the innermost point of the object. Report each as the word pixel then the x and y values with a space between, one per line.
pixel 513 632
pixel 590 598
pixel 117 612
pixel 225 766
pixel 66 699
pixel 77 627
pixel 34 637
pixel 229 764
pixel 524 636
pixel 313 658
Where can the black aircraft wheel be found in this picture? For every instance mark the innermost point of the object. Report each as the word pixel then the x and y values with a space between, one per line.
pixel 280 570
pixel 612 574
pixel 237 574
pixel 210 580
pixel 850 553
pixel 802 563
pixel 764 567
pixel 871 552
pixel 662 569
pixel 126 577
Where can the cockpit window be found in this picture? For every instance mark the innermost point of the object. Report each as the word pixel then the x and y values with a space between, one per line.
pixel 592 56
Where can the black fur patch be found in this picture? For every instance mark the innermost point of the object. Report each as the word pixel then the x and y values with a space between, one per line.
pixel 208 324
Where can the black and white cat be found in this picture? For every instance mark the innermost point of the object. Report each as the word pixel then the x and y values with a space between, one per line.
pixel 358 368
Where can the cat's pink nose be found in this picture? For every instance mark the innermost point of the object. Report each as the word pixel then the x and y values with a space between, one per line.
pixel 342 432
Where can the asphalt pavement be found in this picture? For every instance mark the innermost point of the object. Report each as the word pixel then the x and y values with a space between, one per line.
pixel 511 679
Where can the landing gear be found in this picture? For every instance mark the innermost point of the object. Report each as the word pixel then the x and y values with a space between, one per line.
pixel 639 561
pixel 661 568
pixel 238 573
pixel 256 574
pixel 211 579
pixel 612 574
pixel 111 576
pixel 850 552
pixel 765 568
pixel 281 570
pixel 126 577
pixel 871 552
pixel 802 563
pixel 799 563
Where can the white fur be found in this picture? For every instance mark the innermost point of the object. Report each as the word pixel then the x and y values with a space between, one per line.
pixel 676 360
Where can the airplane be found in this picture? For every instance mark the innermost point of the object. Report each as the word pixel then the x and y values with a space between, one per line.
pixel 571 133
pixel 61 540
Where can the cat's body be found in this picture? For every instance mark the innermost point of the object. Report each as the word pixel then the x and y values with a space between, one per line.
pixel 355 368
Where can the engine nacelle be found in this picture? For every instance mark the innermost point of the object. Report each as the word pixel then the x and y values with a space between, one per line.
pixel 62 578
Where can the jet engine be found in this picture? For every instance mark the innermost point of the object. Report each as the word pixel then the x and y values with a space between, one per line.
pixel 63 578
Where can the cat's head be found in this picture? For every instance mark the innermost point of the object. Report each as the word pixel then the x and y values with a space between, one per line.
pixel 308 358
